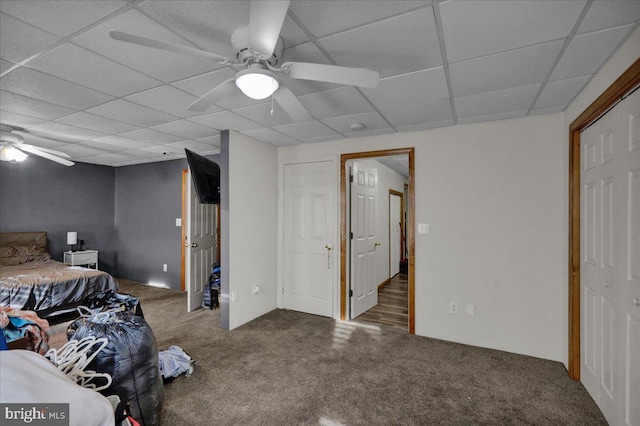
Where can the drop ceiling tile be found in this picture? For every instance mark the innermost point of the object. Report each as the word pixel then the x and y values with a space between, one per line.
pixel 5 65
pixel 151 136
pixel 324 139
pixel 371 46
pixel 191 145
pixel 547 110
pixel 78 150
pixel 518 67
pixel 426 126
pixel 64 131
pixel 261 113
pixel 271 136
pixel 73 63
pixel 19 41
pixel 36 140
pixel 18 120
pixel 201 84
pixel 123 143
pixel 328 17
pixel 60 17
pixel 407 89
pixel 165 66
pixel 497 102
pixel 226 120
pixel 607 14
pixel 169 152
pixel 334 103
pixel 492 117
pixel 185 129
pixel 102 146
pixel 210 140
pixel 17 104
pixel 36 85
pixel 167 99
pixel 97 123
pixel 131 113
pixel 587 52
pixel 208 24
pixel 561 92
pixel 419 114
pixel 372 121
pixel 307 52
pixel 307 130
pixel 366 133
pixel 477 28
pixel 111 159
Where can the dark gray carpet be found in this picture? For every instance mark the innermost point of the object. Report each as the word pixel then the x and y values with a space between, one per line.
pixel 289 368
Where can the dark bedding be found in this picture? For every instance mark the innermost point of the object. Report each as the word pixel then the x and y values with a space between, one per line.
pixel 35 282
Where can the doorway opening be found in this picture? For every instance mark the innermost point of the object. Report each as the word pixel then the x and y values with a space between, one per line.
pixel 345 230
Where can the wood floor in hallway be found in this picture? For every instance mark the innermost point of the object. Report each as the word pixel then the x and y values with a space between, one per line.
pixel 393 304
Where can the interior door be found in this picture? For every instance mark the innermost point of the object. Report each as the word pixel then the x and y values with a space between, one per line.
pixel 364 287
pixel 395 242
pixel 200 246
pixel 308 237
pixel 601 213
pixel 629 414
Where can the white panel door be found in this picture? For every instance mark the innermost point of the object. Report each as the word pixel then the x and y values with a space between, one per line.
pixel 363 283
pixel 629 412
pixel 308 237
pixel 395 242
pixel 200 246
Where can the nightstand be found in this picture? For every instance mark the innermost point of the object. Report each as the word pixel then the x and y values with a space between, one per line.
pixel 85 257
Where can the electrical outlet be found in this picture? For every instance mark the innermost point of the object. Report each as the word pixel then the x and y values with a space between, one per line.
pixel 424 228
pixel 453 308
pixel 256 289
pixel 164 267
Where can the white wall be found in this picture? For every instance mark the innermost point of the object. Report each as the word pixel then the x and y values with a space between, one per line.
pixel 252 227
pixel 628 53
pixel 493 194
pixel 387 179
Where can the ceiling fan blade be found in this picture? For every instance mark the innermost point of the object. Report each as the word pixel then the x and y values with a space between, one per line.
pixel 265 23
pixel 291 105
pixel 35 151
pixel 47 150
pixel 361 77
pixel 222 90
pixel 162 45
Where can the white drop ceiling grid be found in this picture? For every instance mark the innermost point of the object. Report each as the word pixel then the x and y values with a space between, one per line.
pixel 73 88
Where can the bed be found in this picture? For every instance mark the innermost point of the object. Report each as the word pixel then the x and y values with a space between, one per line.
pixel 31 280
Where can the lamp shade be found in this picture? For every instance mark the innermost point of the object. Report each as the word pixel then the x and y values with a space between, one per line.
pixel 256 83
pixel 72 238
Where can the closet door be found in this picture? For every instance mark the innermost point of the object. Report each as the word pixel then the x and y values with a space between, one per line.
pixel 601 192
pixel 629 412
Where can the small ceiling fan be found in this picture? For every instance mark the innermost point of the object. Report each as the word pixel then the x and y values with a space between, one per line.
pixel 13 148
pixel 258 50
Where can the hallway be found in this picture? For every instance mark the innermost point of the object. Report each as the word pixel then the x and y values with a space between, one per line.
pixel 392 307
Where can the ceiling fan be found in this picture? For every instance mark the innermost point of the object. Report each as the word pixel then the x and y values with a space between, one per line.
pixel 258 50
pixel 13 148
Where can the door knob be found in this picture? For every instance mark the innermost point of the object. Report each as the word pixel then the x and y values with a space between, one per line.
pixel 327 247
pixel 194 245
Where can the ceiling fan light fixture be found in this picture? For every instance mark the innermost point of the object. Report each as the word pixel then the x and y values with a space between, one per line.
pixel 9 153
pixel 256 83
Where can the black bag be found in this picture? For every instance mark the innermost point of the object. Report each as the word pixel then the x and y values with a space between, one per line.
pixel 109 300
pixel 130 357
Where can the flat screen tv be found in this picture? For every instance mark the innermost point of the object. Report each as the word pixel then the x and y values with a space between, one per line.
pixel 206 178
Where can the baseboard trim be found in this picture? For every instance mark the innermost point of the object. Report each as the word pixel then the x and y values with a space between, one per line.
pixel 383 283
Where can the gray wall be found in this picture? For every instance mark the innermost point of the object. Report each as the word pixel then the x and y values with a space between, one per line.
pixel 148 199
pixel 40 195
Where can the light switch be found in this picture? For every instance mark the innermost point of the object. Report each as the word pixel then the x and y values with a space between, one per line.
pixel 178 221
pixel 424 228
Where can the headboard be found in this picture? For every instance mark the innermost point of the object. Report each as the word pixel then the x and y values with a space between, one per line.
pixel 22 247
pixel 38 239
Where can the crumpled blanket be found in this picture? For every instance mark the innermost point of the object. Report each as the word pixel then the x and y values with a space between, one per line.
pixel 173 362
pixel 16 324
